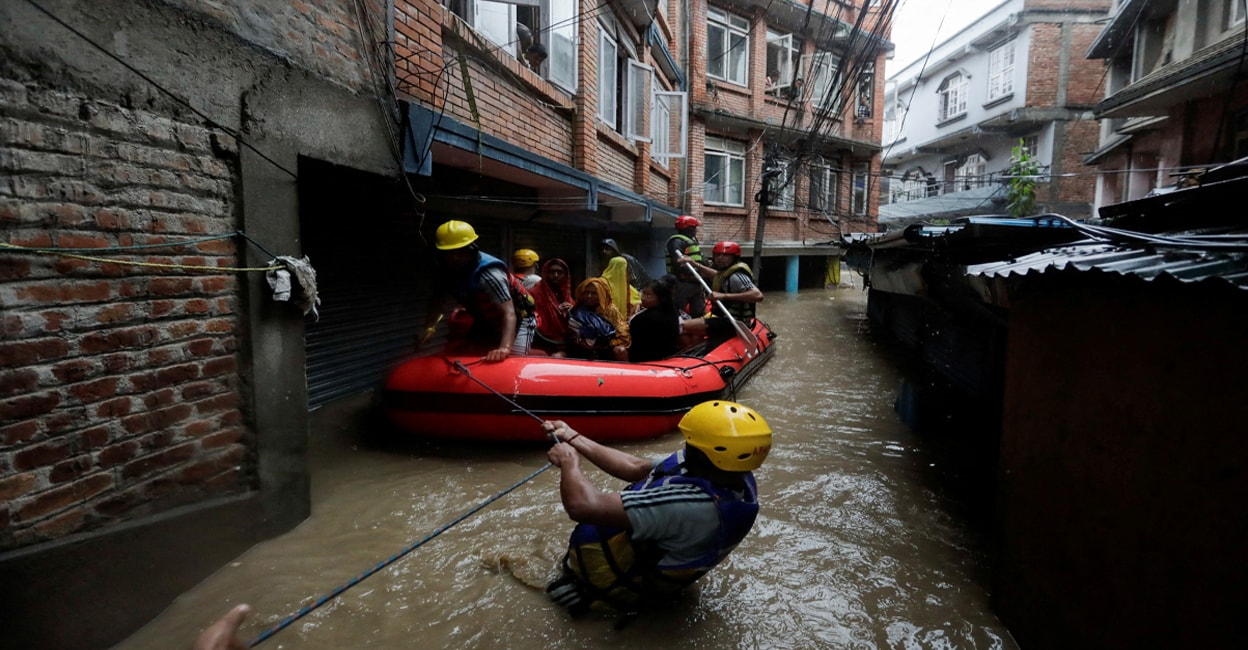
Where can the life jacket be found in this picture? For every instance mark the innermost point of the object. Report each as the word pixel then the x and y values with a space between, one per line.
pixel 613 569
pixel 742 311
pixel 487 316
pixel 692 250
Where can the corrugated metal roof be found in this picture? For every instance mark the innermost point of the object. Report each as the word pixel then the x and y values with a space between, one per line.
pixel 1185 265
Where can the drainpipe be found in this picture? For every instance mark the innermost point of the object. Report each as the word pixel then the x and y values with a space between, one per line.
pixel 683 184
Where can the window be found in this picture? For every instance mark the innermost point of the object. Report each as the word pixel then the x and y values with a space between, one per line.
pixel 660 129
pixel 1001 71
pixel 724 182
pixel 669 124
pixel 1031 144
pixel 1234 13
pixel 952 93
pixel 783 185
pixel 550 23
pixel 971 172
pixel 824 69
pixel 608 78
pixel 727 46
pixel 861 185
pixel 823 188
pixel 781 60
pixel 636 95
pixel 866 92
pixel 1154 45
pixel 562 32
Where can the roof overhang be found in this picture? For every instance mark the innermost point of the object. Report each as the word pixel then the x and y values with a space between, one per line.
pixel 717 119
pixel 1207 73
pixel 557 188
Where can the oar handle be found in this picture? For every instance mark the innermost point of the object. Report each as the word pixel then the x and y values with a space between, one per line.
pixel 747 337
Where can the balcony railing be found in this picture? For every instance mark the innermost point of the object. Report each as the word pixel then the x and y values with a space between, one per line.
pixel 931 187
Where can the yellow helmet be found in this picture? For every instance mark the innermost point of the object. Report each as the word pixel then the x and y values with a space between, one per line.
pixel 734 437
pixel 455 234
pixel 524 258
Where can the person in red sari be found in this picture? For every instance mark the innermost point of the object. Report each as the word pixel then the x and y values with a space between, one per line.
pixel 552 298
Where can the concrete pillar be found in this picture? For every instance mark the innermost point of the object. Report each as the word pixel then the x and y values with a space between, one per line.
pixel 790 274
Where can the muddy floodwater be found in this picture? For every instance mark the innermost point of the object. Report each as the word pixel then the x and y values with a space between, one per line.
pixel 859 543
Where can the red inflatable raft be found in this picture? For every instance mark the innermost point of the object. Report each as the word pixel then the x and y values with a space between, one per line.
pixel 606 400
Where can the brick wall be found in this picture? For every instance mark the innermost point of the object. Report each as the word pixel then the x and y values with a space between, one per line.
pixel 1086 82
pixel 615 158
pixel 118 394
pixel 1044 64
pixel 418 49
pixel 323 36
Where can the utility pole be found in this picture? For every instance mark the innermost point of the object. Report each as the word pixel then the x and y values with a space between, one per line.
pixel 763 197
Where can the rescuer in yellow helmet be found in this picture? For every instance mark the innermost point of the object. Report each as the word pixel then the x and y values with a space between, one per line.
pixel 497 310
pixel 524 266
pixel 679 517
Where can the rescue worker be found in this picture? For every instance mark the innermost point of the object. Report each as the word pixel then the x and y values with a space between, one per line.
pixel 689 296
pixel 732 283
pixel 498 306
pixel 524 265
pixel 679 517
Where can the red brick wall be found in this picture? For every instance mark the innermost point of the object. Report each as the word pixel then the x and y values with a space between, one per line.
pixel 118 389
pixel 515 105
pixel 615 158
pixel 418 50
pixel 752 103
pixel 1085 85
pixel 1043 64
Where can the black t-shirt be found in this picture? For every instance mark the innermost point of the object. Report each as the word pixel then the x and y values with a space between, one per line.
pixel 656 335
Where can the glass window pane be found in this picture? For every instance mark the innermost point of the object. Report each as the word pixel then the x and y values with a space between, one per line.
pixel 715 51
pixel 738 58
pixel 736 182
pixel 713 179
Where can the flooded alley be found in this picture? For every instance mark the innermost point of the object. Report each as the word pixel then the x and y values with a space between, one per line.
pixel 859 543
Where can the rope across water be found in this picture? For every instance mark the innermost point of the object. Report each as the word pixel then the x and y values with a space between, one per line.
pixel 308 609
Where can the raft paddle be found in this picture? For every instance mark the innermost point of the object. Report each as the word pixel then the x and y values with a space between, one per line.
pixel 751 341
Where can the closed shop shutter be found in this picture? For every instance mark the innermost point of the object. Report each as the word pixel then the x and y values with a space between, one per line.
pixel 375 292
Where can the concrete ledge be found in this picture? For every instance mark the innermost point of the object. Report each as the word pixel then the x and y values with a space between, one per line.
pixel 92 591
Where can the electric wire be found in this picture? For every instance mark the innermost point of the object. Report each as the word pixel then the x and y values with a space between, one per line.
pixel 204 116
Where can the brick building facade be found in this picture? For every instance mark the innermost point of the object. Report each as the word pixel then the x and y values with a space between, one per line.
pixel 153 416
pixel 157 155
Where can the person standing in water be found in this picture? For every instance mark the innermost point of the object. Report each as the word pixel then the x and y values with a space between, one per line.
pixel 677 519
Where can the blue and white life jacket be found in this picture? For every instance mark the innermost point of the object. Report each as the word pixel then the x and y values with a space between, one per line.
pixel 612 568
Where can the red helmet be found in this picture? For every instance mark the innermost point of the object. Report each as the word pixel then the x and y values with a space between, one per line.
pixel 730 247
pixel 686 221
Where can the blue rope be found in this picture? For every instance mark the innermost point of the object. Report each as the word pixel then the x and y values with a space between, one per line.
pixel 304 611
pixel 307 609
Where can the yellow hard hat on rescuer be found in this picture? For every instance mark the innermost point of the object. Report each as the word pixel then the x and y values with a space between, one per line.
pixel 455 234
pixel 733 436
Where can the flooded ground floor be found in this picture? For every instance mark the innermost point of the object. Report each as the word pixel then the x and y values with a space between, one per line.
pixel 860 542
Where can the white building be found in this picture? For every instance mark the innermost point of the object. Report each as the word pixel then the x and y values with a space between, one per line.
pixel 1017 75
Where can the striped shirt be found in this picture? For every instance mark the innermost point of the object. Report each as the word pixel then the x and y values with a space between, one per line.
pixel 679 518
